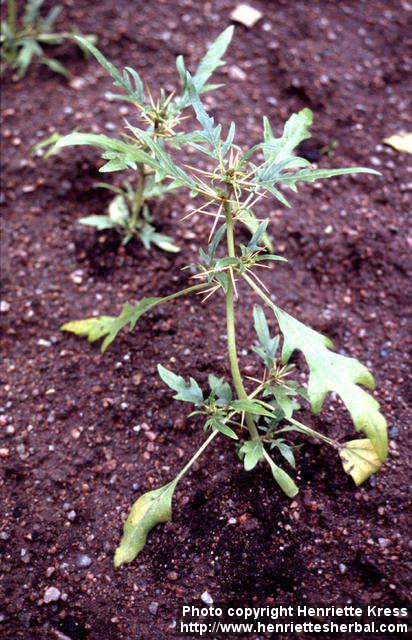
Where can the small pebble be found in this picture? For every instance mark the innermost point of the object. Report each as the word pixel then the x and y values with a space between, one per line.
pixel 43 343
pixel 236 73
pixel 4 306
pixel 206 598
pixel 383 542
pixel 153 607
pixel 343 568
pixel 83 560
pixel 71 515
pixel 246 15
pixel 51 595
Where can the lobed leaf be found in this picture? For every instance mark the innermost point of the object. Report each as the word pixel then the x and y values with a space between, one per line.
pixel 136 92
pixel 296 129
pixel 211 61
pixel 251 452
pixel 210 132
pixel 221 389
pixel 330 371
pixel 186 391
pixel 108 327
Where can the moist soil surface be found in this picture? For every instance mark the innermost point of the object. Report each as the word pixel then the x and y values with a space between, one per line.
pixel 73 458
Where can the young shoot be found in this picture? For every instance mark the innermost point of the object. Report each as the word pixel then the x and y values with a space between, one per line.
pixel 129 211
pixel 22 40
pixel 257 414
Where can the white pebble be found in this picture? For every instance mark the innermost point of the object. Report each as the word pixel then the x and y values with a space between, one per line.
pixel 246 15
pixel 206 598
pixel 51 594
pixel 43 343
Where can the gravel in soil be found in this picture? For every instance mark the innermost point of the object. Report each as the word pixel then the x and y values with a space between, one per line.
pixel 72 457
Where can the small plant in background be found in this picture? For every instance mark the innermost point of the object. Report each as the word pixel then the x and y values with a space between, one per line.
pixel 129 211
pixel 22 41
pixel 262 419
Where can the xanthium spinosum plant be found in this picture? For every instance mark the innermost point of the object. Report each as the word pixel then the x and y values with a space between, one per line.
pixel 22 41
pixel 129 211
pixel 259 420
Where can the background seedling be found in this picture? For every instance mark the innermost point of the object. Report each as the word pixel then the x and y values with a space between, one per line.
pixel 129 211
pixel 22 41
pixel 258 414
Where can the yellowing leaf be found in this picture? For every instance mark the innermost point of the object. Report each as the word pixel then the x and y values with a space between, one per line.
pixel 400 142
pixel 359 459
pixel 109 326
pixel 150 509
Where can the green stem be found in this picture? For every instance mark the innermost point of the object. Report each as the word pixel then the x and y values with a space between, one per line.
pixel 138 197
pixel 12 16
pixel 231 329
pixel 195 456
pixel 183 292
pixel 315 434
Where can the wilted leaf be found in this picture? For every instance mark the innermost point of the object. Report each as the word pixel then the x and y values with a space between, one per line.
pixel 359 459
pixel 150 509
pixel 400 142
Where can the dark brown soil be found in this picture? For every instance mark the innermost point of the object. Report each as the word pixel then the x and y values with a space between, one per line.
pixel 71 461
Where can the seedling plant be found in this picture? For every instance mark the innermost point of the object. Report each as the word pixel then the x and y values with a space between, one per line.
pixel 129 211
pixel 257 415
pixel 22 41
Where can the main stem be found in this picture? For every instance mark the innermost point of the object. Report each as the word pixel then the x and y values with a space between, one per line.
pixel 231 330
pixel 12 16
pixel 138 197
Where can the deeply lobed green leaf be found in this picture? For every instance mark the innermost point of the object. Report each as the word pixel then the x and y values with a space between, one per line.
pixel 330 371
pixel 186 391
